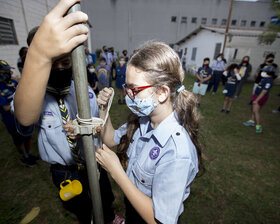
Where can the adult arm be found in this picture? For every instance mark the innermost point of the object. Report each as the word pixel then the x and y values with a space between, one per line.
pixel 57 35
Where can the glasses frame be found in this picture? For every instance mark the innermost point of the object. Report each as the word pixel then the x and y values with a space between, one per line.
pixel 134 90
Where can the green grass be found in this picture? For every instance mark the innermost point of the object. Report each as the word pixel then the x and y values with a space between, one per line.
pixel 240 185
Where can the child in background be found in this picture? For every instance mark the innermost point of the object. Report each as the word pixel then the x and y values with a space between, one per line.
pixel 261 96
pixel 92 78
pixel 203 75
pixel 103 74
pixel 159 143
pixel 232 79
pixel 120 79
pixel 7 90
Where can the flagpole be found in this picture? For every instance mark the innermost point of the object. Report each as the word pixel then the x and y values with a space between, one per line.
pixel 227 26
pixel 82 96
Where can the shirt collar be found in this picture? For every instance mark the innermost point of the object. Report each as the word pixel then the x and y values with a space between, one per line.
pixel 163 131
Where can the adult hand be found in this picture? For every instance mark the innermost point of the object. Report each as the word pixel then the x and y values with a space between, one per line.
pixel 109 161
pixel 104 97
pixel 59 34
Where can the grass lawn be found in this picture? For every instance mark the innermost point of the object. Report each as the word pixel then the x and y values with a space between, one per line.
pixel 240 185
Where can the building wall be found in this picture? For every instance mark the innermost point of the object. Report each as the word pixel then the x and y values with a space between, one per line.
pixel 206 40
pixel 125 24
pixel 25 14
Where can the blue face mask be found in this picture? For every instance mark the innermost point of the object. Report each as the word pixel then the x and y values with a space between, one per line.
pixel 141 107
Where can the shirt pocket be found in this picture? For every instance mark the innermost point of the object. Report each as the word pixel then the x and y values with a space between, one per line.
pixel 143 180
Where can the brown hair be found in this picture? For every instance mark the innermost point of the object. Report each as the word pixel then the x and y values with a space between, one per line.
pixel 162 66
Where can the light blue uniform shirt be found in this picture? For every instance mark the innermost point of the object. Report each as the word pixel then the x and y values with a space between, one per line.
pixel 162 163
pixel 52 142
pixel 218 65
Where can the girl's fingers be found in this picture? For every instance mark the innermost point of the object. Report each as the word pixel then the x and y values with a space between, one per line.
pixel 62 7
pixel 75 31
pixel 75 41
pixel 74 18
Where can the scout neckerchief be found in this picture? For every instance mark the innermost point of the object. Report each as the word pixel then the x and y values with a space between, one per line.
pixel 59 95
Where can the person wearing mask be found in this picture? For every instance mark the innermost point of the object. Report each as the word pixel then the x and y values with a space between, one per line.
pixel 218 67
pixel 203 76
pixel 184 61
pixel 22 54
pixel 269 59
pixel 124 52
pixel 245 69
pixel 92 78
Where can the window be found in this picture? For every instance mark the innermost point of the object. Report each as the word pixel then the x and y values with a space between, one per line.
pixel 253 23
pixel 224 22
pixel 203 20
pixel 173 19
pixel 243 23
pixel 184 19
pixel 194 19
pixel 217 49
pixel 7 31
pixel 194 53
pixel 186 50
pixel 233 22
pixel 214 21
pixel 262 23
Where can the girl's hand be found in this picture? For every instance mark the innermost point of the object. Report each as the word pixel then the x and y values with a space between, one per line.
pixel 109 161
pixel 59 34
pixel 104 97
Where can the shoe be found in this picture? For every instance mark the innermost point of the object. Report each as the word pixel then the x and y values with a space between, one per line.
pixel 249 123
pixel 222 110
pixel 276 111
pixel 258 129
pixel 235 97
pixel 227 111
pixel 213 94
pixel 118 220
pixel 198 105
pixel 27 162
pixel 119 101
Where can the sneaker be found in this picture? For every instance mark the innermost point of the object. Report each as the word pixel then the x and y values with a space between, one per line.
pixel 27 162
pixel 249 123
pixel 227 111
pixel 213 94
pixel 235 97
pixel 258 129
pixel 118 220
pixel 276 111
pixel 222 110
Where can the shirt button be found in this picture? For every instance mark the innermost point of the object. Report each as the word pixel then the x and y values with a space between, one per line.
pixel 143 181
pixel 177 133
pixel 49 126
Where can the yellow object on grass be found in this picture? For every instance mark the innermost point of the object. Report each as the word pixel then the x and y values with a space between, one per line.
pixel 31 215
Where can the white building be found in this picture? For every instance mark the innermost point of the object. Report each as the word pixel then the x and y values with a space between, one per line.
pixel 207 41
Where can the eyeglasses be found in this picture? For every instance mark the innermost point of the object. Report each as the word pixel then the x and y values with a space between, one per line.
pixel 131 92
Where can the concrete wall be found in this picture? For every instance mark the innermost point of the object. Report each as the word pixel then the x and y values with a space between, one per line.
pixel 25 14
pixel 125 24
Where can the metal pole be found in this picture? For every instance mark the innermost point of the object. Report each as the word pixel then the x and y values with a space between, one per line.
pixel 227 26
pixel 82 96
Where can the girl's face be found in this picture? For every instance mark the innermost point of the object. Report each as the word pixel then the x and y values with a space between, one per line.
pixel 136 78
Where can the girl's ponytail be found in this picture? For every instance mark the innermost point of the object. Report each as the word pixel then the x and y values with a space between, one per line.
pixel 188 117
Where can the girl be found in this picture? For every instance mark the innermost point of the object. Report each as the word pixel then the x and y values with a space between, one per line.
pixel 92 78
pixel 245 71
pixel 159 143
pixel 120 79
pixel 233 77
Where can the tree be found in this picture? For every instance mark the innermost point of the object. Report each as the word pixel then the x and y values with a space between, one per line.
pixel 268 37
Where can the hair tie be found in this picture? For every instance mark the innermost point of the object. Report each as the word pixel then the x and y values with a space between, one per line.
pixel 181 88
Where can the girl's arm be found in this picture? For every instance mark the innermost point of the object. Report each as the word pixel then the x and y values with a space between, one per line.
pixel 197 76
pixel 108 130
pixel 263 92
pixel 57 35
pixel 141 202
